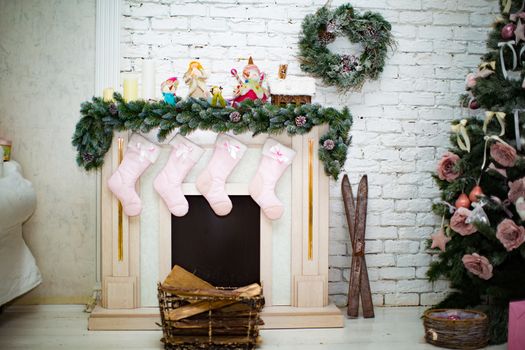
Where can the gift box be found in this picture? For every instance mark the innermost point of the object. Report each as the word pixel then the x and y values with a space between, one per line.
pixel 516 325
pixel 6 145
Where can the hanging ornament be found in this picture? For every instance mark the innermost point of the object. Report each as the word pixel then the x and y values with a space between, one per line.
pixel 499 117
pixel 504 205
pixel 507 46
pixel 519 32
pixel 475 194
pixel 462 201
pixel 439 240
pixel 520 207
pixel 462 138
pixel 478 215
pixel 507 32
pixel 517 15
pixel 507 5
pixel 470 80
pixel 473 104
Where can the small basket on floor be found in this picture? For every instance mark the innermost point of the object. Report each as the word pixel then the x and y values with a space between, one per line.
pixel 456 329
pixel 229 321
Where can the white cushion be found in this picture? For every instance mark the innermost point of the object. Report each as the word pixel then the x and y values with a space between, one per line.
pixel 18 271
pixel 17 197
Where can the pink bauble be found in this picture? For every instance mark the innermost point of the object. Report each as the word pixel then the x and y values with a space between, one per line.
pixel 471 80
pixel 463 201
pixel 475 194
pixel 454 318
pixel 473 104
pixel 507 32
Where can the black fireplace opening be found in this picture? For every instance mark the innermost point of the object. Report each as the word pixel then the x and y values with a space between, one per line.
pixel 224 251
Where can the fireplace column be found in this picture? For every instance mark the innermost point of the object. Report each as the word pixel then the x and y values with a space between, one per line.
pixel 310 225
pixel 120 240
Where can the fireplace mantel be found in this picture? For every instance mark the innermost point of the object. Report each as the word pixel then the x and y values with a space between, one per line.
pixel 120 236
pixel 121 274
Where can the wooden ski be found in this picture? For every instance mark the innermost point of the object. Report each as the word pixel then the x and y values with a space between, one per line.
pixel 348 201
pixel 356 218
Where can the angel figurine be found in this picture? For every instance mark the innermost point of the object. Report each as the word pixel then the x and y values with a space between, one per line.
pixel 195 77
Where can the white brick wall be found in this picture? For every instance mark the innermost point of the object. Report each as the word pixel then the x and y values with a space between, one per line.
pixel 400 121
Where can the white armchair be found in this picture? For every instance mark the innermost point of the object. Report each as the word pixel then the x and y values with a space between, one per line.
pixel 18 271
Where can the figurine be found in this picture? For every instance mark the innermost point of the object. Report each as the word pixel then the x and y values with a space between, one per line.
pixel 251 85
pixel 195 77
pixel 217 99
pixel 169 88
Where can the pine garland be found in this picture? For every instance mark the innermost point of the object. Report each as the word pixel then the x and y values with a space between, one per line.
pixel 347 71
pixel 493 93
pixel 99 119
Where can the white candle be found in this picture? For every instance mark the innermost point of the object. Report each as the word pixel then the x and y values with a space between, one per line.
pixel 107 95
pixel 148 79
pixel 131 88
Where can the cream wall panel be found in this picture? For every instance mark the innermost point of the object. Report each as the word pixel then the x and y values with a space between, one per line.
pixel 47 57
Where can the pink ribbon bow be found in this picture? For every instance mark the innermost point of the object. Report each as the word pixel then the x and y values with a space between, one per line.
pixel 143 154
pixel 182 150
pixel 233 150
pixel 278 155
pixel 504 205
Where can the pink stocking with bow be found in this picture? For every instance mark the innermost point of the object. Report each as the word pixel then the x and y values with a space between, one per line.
pixel 210 183
pixel 168 183
pixel 275 159
pixel 139 155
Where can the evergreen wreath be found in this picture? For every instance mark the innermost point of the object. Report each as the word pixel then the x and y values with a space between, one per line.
pixel 348 71
pixel 99 119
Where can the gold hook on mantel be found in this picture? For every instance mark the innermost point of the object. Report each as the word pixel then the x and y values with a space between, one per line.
pixel 120 210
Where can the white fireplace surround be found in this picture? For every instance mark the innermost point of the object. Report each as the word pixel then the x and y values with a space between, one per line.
pixel 238 186
pixel 295 279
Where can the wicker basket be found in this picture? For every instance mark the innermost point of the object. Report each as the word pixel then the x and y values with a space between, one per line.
pixel 234 326
pixel 456 329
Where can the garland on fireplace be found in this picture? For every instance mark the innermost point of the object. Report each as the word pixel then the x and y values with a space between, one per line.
pixel 99 119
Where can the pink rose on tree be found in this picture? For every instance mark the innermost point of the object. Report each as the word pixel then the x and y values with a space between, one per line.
pixel 510 234
pixel 503 154
pixel 458 222
pixel 478 265
pixel 446 168
pixel 516 189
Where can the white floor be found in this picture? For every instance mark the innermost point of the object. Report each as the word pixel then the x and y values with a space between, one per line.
pixel 65 327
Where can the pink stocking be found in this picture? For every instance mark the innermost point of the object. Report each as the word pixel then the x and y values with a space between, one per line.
pixel 275 159
pixel 139 155
pixel 168 183
pixel 228 151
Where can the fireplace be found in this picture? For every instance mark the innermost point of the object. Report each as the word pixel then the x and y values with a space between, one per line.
pixel 224 251
pixel 135 252
pixel 290 255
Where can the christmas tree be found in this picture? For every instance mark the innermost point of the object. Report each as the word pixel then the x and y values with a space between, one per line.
pixel 481 241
